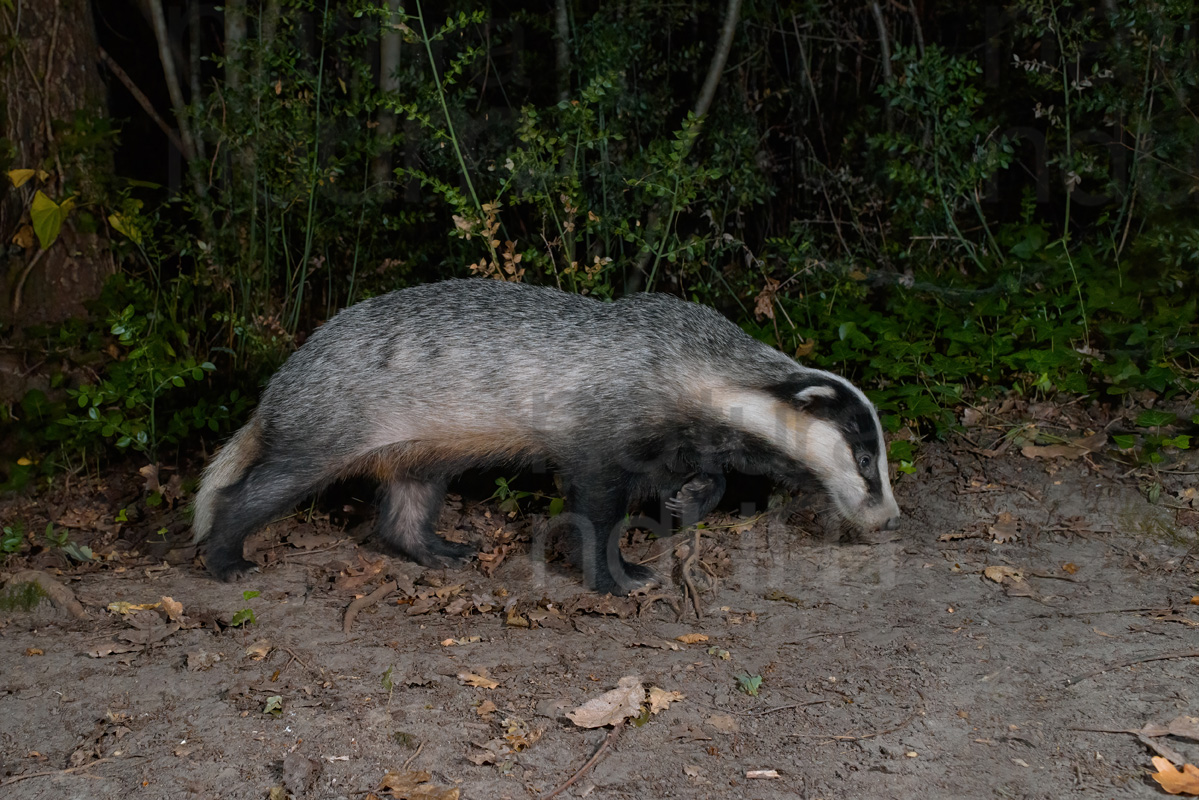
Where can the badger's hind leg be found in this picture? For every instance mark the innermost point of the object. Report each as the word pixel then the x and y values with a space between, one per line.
pixel 408 510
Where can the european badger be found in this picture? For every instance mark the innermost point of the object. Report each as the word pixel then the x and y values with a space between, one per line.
pixel 649 395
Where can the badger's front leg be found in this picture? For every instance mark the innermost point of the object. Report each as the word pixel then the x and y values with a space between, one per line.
pixel 696 498
pixel 599 504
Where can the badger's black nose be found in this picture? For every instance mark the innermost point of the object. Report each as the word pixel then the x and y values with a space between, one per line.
pixel 892 524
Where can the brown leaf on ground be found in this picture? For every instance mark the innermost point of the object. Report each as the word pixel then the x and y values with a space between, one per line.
pixel 1174 780
pixel 660 699
pixel 657 644
pixel 1072 449
pixel 353 578
pixel 1000 574
pixel 1182 727
pixel 173 609
pixel 691 638
pixel 478 681
pixel 414 785
pixel 490 560
pixel 149 629
pixel 1006 529
pixel 150 473
pixel 622 607
pixel 611 707
pixel 486 708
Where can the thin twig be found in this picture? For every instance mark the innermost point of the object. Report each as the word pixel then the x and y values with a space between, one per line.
pixel 66 771
pixel 16 294
pixel 689 585
pixel 1122 664
pixel 412 757
pixel 141 98
pixel 837 738
pixel 363 602
pixel 590 762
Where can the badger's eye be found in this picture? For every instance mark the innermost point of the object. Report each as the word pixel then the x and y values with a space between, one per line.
pixel 864 462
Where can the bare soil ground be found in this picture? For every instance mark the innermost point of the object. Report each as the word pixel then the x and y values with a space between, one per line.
pixel 910 667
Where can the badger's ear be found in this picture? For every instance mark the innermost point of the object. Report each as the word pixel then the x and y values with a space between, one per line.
pixel 805 393
pixel 814 395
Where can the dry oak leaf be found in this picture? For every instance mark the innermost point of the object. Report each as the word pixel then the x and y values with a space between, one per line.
pixel 478 681
pixel 1174 780
pixel 660 699
pixel 1005 529
pixel 611 707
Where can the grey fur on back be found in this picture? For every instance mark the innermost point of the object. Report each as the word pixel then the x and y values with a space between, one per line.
pixel 533 356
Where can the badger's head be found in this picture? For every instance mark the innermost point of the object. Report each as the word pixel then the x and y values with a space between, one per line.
pixel 823 425
pixel 836 435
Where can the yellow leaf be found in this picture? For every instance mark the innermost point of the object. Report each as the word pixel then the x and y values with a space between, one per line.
pixel 20 176
pixel 1174 780
pixel 691 638
pixel 23 462
pixel 122 226
pixel 23 237
pixel 48 217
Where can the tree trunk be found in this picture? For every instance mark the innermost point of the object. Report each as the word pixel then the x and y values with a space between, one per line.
pixel 49 71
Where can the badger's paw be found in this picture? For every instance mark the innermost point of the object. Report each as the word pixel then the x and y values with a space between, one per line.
pixel 635 578
pixel 229 570
pixel 437 553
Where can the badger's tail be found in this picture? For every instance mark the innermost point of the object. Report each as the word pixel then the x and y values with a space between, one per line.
pixel 228 466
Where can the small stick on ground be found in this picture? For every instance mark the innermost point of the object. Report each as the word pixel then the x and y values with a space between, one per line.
pixel 412 757
pixel 591 762
pixel 62 597
pixel 688 584
pixel 1122 664
pixel 847 738
pixel 648 602
pixel 363 602
pixel 67 771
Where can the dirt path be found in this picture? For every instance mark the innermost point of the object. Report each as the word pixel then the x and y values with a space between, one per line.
pixel 897 669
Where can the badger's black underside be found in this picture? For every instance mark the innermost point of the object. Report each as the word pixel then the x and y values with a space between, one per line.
pixel 684 466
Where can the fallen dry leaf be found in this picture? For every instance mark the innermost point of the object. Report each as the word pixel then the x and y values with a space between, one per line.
pixel 478 681
pixel 1174 780
pixel 691 638
pixel 1182 727
pixel 485 708
pixel 1072 449
pixel 611 707
pixel 415 786
pixel 259 650
pixel 657 644
pixel 173 608
pixel 1006 528
pixel 761 773
pixel 999 574
pixel 660 699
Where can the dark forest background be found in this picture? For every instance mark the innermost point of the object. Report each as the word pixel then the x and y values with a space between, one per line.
pixel 946 202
